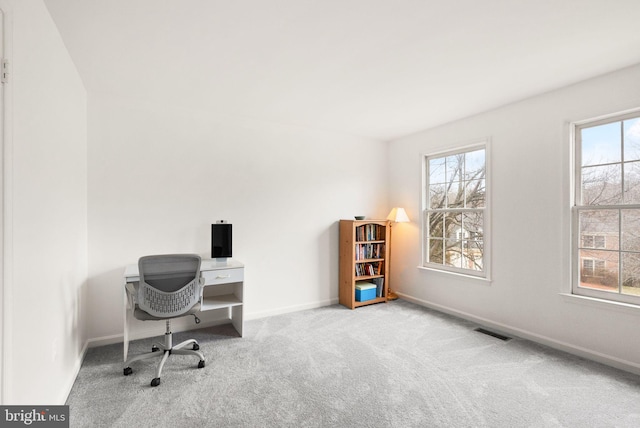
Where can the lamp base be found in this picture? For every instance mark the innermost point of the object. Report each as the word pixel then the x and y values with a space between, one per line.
pixel 391 295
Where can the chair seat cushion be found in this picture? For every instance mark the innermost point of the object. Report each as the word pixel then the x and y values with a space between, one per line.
pixel 144 316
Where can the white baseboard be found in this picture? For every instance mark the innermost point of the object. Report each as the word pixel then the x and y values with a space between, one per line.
pixel 105 340
pixel 289 309
pixel 534 337
pixel 66 389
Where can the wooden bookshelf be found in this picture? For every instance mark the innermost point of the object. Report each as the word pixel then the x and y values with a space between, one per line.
pixel 364 257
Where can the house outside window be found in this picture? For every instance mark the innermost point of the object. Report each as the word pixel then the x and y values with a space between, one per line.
pixel 455 211
pixel 606 209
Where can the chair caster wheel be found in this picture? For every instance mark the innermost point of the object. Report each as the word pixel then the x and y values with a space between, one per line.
pixel 196 347
pixel 201 364
pixel 155 382
pixel 154 348
pixel 127 371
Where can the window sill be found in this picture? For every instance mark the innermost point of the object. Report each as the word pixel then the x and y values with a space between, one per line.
pixel 487 281
pixel 601 303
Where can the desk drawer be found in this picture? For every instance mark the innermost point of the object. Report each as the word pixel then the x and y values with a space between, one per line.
pixel 223 276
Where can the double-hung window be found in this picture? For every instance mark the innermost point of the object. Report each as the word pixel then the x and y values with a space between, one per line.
pixel 455 211
pixel 606 209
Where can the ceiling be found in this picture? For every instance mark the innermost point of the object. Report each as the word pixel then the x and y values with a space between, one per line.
pixel 374 68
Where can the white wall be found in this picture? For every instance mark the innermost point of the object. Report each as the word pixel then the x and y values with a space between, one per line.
pixel 530 172
pixel 160 175
pixel 46 216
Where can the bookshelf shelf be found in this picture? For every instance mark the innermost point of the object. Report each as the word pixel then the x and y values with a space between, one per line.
pixel 369 302
pixel 364 258
pixel 366 277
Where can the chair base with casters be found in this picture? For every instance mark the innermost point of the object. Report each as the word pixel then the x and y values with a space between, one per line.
pixel 167 349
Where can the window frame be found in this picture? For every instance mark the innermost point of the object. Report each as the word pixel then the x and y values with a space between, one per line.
pixel 484 274
pixel 577 206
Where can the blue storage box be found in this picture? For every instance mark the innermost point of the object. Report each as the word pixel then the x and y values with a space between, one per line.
pixel 365 291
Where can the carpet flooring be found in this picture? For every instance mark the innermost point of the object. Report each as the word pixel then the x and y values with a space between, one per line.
pixel 387 365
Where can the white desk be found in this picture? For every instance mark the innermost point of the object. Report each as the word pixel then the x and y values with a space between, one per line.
pixel 223 288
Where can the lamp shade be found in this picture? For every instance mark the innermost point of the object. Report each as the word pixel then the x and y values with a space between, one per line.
pixel 398 215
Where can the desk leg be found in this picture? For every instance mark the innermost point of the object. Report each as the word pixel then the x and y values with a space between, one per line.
pixel 125 340
pixel 128 312
pixel 237 319
pixel 237 312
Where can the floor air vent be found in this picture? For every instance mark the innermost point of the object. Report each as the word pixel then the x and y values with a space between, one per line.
pixel 492 333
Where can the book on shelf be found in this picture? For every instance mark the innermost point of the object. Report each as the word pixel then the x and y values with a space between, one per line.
pixel 379 282
pixel 369 251
pixel 369 269
pixel 370 232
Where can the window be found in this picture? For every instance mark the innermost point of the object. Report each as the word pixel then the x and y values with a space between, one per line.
pixel 454 208
pixel 593 267
pixel 593 241
pixel 606 213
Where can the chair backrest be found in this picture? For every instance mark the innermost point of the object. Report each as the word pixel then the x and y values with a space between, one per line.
pixel 170 284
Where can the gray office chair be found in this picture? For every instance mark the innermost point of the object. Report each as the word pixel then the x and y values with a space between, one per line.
pixel 170 287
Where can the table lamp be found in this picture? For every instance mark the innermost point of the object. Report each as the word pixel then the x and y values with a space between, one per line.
pixel 397 215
